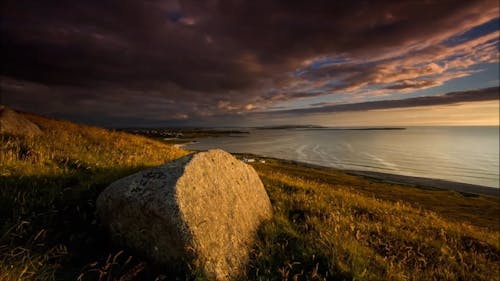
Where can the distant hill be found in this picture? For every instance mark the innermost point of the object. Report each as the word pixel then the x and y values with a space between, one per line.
pixel 317 127
pixel 282 127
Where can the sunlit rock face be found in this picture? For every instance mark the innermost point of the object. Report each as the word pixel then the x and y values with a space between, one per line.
pixel 202 210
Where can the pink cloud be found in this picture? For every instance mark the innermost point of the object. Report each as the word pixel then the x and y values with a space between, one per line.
pixel 428 67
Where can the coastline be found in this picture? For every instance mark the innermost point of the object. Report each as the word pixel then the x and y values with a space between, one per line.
pixel 412 181
pixel 461 158
pixel 429 183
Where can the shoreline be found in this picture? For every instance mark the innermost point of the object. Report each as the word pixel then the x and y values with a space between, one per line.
pixel 428 183
pixel 412 181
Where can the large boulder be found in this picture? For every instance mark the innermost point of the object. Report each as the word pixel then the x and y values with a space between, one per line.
pixel 13 123
pixel 203 209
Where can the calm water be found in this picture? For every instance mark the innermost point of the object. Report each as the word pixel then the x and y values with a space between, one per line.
pixel 462 154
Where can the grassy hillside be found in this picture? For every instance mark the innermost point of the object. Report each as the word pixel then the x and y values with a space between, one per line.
pixel 332 226
pixel 48 187
pixel 327 225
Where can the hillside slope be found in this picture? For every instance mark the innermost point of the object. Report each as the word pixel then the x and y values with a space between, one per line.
pixel 329 225
pixel 48 186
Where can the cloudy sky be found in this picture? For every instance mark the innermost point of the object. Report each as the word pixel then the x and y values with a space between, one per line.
pixel 260 62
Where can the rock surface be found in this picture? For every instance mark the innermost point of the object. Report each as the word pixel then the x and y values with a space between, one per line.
pixel 203 209
pixel 14 123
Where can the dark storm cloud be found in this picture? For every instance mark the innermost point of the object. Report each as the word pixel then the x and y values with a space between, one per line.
pixel 486 94
pixel 178 60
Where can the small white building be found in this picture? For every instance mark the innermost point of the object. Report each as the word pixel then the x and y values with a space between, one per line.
pixel 248 160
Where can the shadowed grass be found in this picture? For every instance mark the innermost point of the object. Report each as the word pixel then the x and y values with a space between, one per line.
pixel 48 187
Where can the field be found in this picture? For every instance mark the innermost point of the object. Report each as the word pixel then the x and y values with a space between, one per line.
pixel 332 226
pixel 327 225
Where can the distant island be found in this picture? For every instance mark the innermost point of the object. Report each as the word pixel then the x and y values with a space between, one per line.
pixel 316 127
pixel 281 127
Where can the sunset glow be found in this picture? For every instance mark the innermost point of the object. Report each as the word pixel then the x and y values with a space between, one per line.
pixel 215 63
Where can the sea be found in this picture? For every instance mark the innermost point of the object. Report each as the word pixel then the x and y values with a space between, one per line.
pixel 459 154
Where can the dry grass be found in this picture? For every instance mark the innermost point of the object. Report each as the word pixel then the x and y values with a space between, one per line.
pixel 48 186
pixel 481 211
pixel 339 231
pixel 327 225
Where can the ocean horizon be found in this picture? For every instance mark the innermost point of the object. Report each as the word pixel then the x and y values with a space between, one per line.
pixel 465 154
